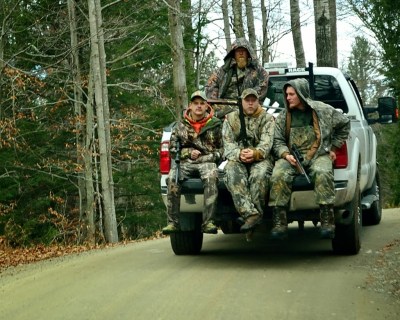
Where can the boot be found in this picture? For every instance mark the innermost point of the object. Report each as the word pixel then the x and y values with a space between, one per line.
pixel 279 220
pixel 170 228
pixel 251 222
pixel 327 221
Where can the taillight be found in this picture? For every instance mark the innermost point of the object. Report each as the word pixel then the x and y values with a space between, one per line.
pixel 397 114
pixel 165 160
pixel 341 157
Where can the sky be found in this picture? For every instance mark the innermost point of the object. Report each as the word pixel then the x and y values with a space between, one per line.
pixel 347 29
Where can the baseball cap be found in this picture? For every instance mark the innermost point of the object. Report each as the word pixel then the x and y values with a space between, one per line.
pixel 199 94
pixel 248 92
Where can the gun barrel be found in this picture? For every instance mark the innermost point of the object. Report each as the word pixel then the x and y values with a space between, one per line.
pixel 299 158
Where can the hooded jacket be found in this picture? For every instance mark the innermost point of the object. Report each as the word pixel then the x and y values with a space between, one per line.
pixel 207 140
pixel 255 77
pixel 331 126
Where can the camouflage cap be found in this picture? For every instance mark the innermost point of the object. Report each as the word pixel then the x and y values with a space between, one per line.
pixel 247 92
pixel 199 94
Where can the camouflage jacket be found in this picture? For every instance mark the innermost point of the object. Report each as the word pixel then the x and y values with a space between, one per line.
pixel 208 141
pixel 222 84
pixel 331 126
pixel 259 129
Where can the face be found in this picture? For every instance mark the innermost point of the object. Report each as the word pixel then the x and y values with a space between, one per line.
pixel 198 108
pixel 293 99
pixel 241 57
pixel 250 104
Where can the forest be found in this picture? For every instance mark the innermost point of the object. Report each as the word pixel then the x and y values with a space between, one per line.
pixel 87 86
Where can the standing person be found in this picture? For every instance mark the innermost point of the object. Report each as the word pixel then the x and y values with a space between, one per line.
pixel 198 139
pixel 318 130
pixel 241 70
pixel 249 160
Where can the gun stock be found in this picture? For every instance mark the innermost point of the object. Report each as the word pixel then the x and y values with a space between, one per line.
pixel 222 101
pixel 299 158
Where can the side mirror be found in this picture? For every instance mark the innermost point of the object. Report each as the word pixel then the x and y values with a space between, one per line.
pixel 372 114
pixel 387 109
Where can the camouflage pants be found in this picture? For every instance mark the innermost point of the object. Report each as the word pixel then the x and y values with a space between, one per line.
pixel 209 175
pixel 320 171
pixel 248 185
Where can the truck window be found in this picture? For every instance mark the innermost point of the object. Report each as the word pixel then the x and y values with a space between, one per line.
pixel 327 90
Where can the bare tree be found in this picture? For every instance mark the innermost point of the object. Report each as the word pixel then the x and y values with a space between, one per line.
pixel 250 24
pixel 323 33
pixel 238 27
pixel 265 40
pixel 296 33
pixel 227 28
pixel 333 20
pixel 178 56
pixel 98 59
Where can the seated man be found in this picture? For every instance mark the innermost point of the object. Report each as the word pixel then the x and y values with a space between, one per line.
pixel 198 139
pixel 249 160
pixel 318 130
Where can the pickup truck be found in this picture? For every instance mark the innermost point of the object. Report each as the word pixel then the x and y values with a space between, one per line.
pixel 357 182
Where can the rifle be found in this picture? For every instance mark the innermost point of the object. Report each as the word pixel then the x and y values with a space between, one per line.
pixel 243 133
pixel 177 161
pixel 299 158
pixel 222 101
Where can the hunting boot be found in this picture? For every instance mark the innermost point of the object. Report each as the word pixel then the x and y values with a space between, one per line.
pixel 279 220
pixel 327 221
pixel 251 222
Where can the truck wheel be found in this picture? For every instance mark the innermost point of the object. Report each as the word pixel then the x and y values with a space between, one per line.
pixel 187 242
pixel 229 227
pixel 347 236
pixel 373 215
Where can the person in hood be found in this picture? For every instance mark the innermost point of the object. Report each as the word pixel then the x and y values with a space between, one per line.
pixel 250 162
pixel 241 70
pixel 318 130
pixel 198 139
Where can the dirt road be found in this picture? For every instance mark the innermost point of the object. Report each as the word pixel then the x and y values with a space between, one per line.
pixel 231 279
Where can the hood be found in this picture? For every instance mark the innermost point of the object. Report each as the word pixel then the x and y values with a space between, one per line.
pixel 241 42
pixel 302 88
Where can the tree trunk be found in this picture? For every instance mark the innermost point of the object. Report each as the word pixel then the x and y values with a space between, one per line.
pixel 250 24
pixel 178 56
pixel 323 33
pixel 103 122
pixel 265 37
pixel 86 216
pixel 332 12
pixel 238 28
pixel 227 29
pixel 296 33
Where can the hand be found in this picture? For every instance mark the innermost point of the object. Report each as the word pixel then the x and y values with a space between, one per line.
pixel 195 154
pixel 332 155
pixel 291 159
pixel 246 155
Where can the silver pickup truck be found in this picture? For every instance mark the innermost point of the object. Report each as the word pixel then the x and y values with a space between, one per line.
pixel 357 183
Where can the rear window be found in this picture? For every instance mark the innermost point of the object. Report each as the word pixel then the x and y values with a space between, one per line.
pixel 327 90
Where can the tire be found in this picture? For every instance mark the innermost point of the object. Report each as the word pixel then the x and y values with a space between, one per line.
pixel 229 227
pixel 187 242
pixel 347 236
pixel 373 215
